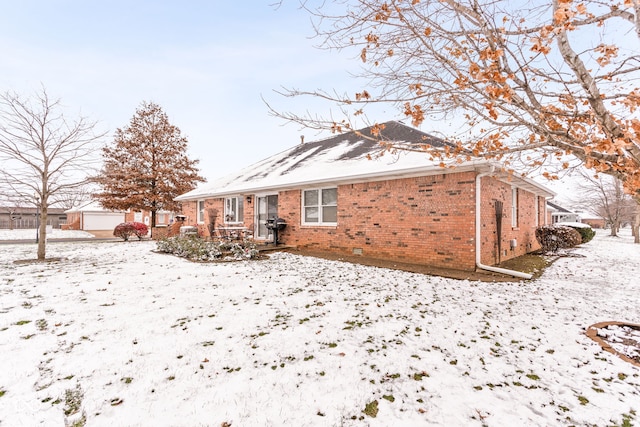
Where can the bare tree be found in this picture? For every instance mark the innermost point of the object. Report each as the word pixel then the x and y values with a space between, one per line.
pixel 543 85
pixel 73 197
pixel 604 196
pixel 43 154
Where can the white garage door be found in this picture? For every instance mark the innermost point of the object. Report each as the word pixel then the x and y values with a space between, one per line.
pixel 102 220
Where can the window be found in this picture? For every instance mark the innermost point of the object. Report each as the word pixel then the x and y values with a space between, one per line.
pixel 233 209
pixel 200 212
pixel 161 218
pixel 514 207
pixel 537 199
pixel 320 207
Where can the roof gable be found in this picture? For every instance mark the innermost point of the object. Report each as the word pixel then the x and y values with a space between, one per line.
pixel 558 207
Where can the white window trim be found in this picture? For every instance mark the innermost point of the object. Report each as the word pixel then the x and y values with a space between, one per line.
pixel 537 211
pixel 514 207
pixel 200 212
pixel 319 206
pixel 239 200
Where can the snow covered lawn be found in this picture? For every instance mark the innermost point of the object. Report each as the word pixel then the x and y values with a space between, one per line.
pixel 56 233
pixel 124 336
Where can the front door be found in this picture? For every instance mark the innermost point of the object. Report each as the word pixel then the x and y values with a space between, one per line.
pixel 267 207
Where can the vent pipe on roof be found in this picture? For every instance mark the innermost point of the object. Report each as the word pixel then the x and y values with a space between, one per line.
pixel 301 139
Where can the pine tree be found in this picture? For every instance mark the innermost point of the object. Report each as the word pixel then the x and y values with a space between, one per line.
pixel 147 166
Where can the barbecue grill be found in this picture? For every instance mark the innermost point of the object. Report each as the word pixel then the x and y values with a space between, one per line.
pixel 275 225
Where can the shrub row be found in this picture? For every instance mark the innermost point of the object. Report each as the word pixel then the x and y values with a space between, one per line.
pixel 196 249
pixel 586 233
pixel 128 229
pixel 555 237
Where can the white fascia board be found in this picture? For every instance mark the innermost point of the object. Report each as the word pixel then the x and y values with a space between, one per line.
pixel 351 179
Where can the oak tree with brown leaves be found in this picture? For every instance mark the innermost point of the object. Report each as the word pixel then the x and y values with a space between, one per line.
pixel 147 166
pixel 541 86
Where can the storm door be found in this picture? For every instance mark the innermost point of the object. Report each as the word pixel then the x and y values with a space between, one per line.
pixel 267 207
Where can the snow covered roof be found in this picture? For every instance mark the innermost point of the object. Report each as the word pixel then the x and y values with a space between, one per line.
pixel 92 206
pixel 556 207
pixel 346 158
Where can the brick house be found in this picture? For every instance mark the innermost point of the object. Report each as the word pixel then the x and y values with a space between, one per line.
pixel 91 216
pixel 339 195
pixel 163 218
pixel 558 213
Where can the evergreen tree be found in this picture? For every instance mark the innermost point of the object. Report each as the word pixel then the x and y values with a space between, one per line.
pixel 147 166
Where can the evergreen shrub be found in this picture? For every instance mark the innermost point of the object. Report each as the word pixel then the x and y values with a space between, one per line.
pixel 586 233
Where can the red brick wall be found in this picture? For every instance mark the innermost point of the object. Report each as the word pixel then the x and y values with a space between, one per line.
pixel 73 221
pixel 595 222
pixel 190 210
pixel 524 233
pixel 130 217
pixel 426 220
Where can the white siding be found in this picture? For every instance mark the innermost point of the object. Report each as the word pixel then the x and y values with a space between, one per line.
pixel 102 220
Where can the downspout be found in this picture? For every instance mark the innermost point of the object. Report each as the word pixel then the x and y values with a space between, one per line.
pixel 479 263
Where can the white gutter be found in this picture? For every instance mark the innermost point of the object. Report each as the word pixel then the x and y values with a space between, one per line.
pixel 478 236
pixel 335 180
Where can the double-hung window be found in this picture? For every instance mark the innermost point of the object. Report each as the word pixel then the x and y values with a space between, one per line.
pixel 514 207
pixel 320 206
pixel 233 210
pixel 200 212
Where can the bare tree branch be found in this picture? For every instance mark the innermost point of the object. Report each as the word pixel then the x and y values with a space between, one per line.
pixel 43 154
pixel 530 83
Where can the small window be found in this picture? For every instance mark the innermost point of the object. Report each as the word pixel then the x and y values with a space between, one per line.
pixel 201 211
pixel 161 218
pixel 320 207
pixel 233 209
pixel 537 211
pixel 514 207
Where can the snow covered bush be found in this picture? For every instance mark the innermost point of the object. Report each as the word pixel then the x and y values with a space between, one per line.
pixel 555 237
pixel 128 229
pixel 197 249
pixel 585 230
pixel 190 247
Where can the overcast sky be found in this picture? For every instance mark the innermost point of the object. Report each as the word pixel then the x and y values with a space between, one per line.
pixel 207 63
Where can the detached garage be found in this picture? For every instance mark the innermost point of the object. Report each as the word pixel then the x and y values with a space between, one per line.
pixel 93 217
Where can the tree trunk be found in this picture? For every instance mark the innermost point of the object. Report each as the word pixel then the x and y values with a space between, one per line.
pixel 42 233
pixel 614 228
pixel 636 226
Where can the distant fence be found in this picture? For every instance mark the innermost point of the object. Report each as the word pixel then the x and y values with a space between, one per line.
pixel 27 223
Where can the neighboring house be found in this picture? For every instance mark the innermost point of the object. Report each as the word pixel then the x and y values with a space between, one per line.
pixel 17 217
pixel 338 195
pixel 93 217
pixel 594 221
pixel 560 214
pixel 163 218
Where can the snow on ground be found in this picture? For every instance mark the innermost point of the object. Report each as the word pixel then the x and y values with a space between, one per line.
pixel 51 234
pixel 125 336
pixel 622 338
